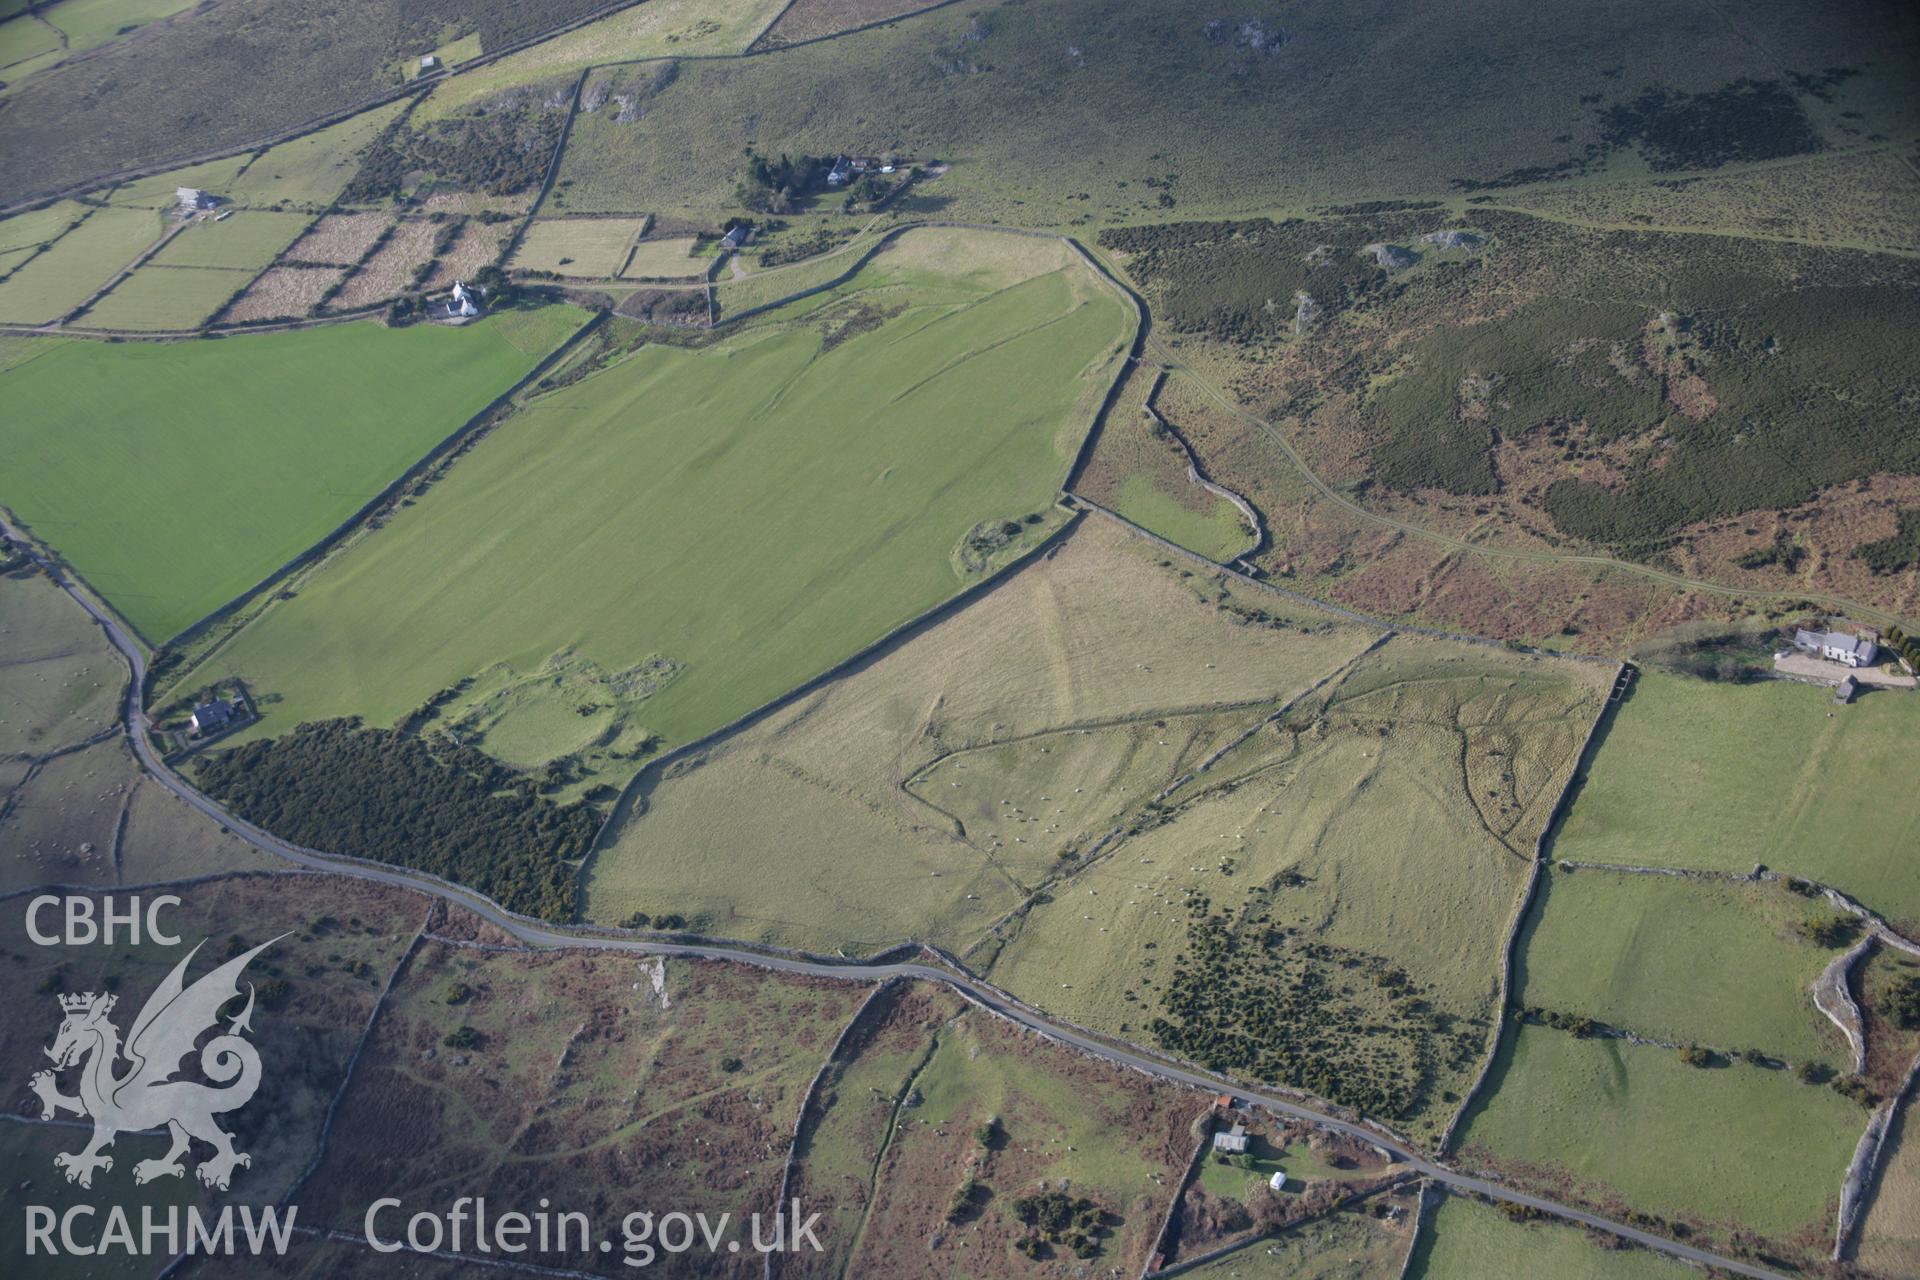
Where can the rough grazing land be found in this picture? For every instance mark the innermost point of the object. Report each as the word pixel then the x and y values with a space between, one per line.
pixel 1623 1124
pixel 356 405
pixel 283 292
pixel 656 29
pixel 1063 112
pixel 341 239
pixel 606 1083
pixel 279 63
pixel 1298 911
pixel 1060 1121
pixel 811 19
pixel 1720 777
pixel 1463 1239
pixel 891 433
pixel 1890 1233
pixel 1542 386
pixel 1684 961
pixel 58 825
pixel 756 836
pixel 852 1118
pixel 314 989
pixel 390 271
pixel 1348 1245
pixel 60 681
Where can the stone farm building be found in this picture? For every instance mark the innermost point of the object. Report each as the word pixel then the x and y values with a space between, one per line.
pixel 211 717
pixel 1838 646
pixel 1233 1140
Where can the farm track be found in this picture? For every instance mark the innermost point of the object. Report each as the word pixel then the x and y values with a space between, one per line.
pixel 535 934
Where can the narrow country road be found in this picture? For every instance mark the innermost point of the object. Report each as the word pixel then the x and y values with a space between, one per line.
pixel 539 934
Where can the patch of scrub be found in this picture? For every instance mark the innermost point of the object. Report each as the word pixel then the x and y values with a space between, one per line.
pixel 569 705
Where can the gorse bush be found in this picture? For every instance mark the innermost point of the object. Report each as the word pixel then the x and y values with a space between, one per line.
pixel 423 803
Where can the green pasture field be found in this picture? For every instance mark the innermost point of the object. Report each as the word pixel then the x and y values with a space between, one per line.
pixel 78 263
pixel 61 681
pixel 663 260
pixel 579 246
pixel 1346 1245
pixel 157 297
pixel 1718 777
pixel 859 443
pixel 161 191
pixel 803 829
pixel 27 40
pixel 1463 1239
pixel 1737 1144
pixel 1037 135
pixel 243 241
pixel 1218 533
pixel 25 230
pixel 351 407
pixel 1689 961
pixel 94 22
pixel 1351 825
pixel 311 171
pixel 658 29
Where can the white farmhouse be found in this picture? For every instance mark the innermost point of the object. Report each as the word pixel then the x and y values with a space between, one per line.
pixel 1838 646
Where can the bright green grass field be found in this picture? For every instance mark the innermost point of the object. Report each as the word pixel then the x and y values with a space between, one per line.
pixel 23 39
pixel 242 452
pixel 159 298
pixel 79 262
pixel 1738 1144
pixel 1462 1239
pixel 41 225
pixel 1689 961
pixel 1219 534
pixel 1722 777
pixel 94 22
pixel 241 240
pixel 754 510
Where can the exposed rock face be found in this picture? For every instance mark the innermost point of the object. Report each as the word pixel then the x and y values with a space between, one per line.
pixel 1393 257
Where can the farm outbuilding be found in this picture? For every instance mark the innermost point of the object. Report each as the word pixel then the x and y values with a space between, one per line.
pixel 1233 1141
pixel 1278 1181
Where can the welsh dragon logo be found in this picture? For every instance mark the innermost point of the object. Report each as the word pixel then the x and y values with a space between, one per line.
pixel 145 1095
